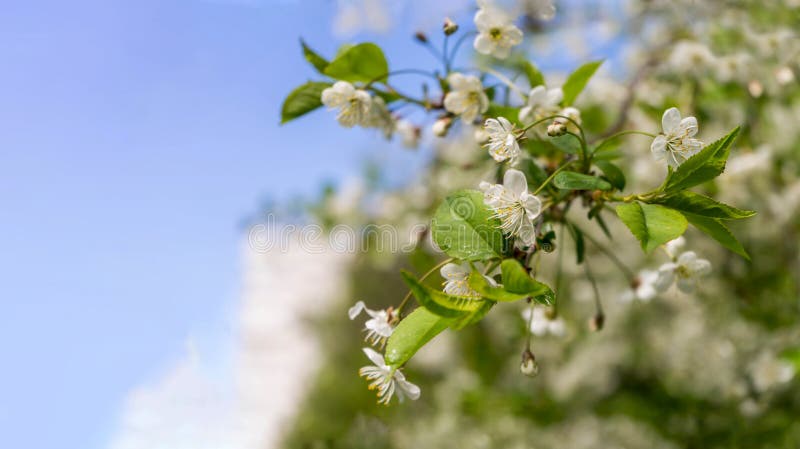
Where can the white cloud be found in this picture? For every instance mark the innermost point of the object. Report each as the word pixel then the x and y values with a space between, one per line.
pixel 273 357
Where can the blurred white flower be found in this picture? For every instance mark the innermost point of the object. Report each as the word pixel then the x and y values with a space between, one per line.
pixel 688 268
pixel 643 287
pixel 690 57
pixel 441 126
pixel 379 117
pixel 513 205
pixel 542 323
pixel 734 67
pixel 674 246
pixel 456 280
pixel 540 9
pixel 677 143
pixel 542 102
pixel 409 134
pixel 768 371
pixel 354 104
pixel 379 327
pixel 502 143
pixel 496 31
pixel 387 380
pixel 467 97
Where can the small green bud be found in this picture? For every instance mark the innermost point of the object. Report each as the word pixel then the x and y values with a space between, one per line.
pixel 449 26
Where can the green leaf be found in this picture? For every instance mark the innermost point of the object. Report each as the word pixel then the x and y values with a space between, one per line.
pixel 517 280
pixel 535 77
pixel 363 62
pixel 577 81
pixel 438 302
pixel 412 333
pixel 464 228
pixel 651 224
pixel 697 204
pixel 302 100
pixel 567 143
pixel 719 232
pixel 479 283
pixel 612 173
pixel 571 180
pixel 704 166
pixel 580 244
pixel 473 317
pixel 314 58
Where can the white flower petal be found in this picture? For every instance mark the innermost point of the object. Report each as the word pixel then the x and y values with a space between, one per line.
pixel 356 309
pixel 659 147
pixel 375 357
pixel 515 182
pixel 670 120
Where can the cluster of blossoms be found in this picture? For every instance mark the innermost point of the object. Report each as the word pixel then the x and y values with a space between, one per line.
pixel 523 200
pixel 358 108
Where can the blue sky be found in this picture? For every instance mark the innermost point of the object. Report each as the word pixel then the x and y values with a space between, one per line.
pixel 135 136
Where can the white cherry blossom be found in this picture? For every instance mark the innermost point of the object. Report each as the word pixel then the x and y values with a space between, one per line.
pixel 354 104
pixel 687 269
pixel 513 205
pixel 502 145
pixel 379 326
pixel 408 132
pixel 456 280
pixel 542 102
pixel 467 97
pixel 541 323
pixel 496 31
pixel 379 117
pixel 677 143
pixel 387 380
pixel 643 287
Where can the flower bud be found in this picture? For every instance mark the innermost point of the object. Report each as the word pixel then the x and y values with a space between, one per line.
pixel 441 126
pixel 557 128
pixel 597 321
pixel 449 26
pixel 528 366
pixel 421 37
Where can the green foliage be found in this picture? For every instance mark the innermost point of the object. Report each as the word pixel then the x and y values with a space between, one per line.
pixel 302 100
pixel 438 302
pixel 612 173
pixel 697 204
pixel 479 283
pixel 535 77
pixel 704 166
pixel 651 224
pixel 517 280
pixel 413 332
pixel 719 232
pixel 577 81
pixel 363 62
pixel 314 58
pixel 567 143
pixel 571 180
pixel 464 228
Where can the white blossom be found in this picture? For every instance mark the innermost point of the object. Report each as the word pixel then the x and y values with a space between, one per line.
pixel 387 380
pixel 574 116
pixel 409 134
pixel 542 102
pixel 513 205
pixel 768 371
pixel 379 117
pixel 674 246
pixel 379 327
pixel 441 126
pixel 690 57
pixel 541 323
pixel 354 104
pixel 502 143
pixel 643 287
pixel 496 31
pixel 467 97
pixel 687 269
pixel 456 280
pixel 677 143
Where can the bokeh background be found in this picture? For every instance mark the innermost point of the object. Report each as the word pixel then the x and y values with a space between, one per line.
pixel 139 142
